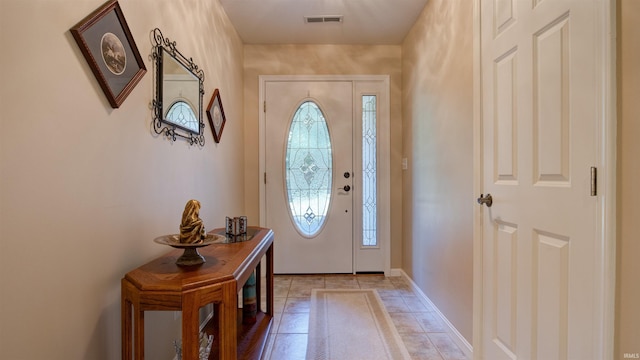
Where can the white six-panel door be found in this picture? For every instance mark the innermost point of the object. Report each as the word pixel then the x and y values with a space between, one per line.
pixel 541 110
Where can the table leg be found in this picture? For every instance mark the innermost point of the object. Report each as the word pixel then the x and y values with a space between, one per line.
pixel 228 322
pixel 138 334
pixel 269 278
pixel 259 287
pixel 190 326
pixel 126 325
pixel 132 322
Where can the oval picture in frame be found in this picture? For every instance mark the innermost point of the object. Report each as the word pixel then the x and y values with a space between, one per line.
pixel 113 53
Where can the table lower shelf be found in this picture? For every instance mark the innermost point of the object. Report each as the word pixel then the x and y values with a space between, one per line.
pixel 252 339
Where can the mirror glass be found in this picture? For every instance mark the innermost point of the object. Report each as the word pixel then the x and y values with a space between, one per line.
pixel 180 95
pixel 179 90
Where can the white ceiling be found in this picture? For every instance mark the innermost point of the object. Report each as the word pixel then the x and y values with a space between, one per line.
pixel 379 22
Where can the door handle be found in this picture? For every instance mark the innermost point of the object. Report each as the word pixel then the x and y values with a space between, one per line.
pixel 486 200
pixel 345 188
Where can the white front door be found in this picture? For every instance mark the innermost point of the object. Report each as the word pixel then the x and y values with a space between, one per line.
pixel 541 112
pixel 309 175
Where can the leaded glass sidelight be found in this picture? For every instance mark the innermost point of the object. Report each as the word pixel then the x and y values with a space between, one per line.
pixel 308 167
pixel 369 172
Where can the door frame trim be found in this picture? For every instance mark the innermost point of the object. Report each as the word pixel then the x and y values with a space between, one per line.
pixel 476 338
pixel 384 157
pixel 606 162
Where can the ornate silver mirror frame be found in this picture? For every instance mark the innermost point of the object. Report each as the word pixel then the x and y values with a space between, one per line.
pixel 177 107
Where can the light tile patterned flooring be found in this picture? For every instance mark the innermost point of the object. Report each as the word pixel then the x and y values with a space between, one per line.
pixel 420 328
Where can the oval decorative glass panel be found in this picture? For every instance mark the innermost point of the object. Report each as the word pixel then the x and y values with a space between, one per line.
pixel 180 113
pixel 308 169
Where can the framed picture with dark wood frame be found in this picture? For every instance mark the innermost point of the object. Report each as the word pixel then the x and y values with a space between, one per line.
pixel 106 43
pixel 215 114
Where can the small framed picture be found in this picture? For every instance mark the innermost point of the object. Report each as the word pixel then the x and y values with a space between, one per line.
pixel 215 113
pixel 107 45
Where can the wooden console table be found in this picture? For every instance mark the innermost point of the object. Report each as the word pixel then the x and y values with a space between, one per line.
pixel 162 285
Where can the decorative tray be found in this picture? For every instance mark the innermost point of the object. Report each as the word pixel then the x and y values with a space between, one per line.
pixel 190 257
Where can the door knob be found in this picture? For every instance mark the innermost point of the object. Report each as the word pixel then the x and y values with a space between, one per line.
pixel 345 188
pixel 486 200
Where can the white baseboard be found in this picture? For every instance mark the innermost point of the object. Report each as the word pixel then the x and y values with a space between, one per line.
pixel 397 272
pixel 462 343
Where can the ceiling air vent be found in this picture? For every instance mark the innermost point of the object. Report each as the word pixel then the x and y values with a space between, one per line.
pixel 323 19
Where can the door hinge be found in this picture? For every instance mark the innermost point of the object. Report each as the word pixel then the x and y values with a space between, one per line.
pixel 594 181
pixel 265 177
pixel 264 106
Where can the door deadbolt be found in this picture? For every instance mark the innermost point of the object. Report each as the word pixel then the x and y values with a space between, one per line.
pixel 347 174
pixel 486 200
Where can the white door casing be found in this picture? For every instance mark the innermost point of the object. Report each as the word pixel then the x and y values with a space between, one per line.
pixel 363 258
pixel 544 255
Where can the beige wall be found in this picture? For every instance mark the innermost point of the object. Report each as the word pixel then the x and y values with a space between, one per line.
pixel 85 188
pixel 437 93
pixel 323 60
pixel 628 244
